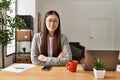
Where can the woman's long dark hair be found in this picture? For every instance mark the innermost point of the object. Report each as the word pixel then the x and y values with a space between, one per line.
pixel 57 37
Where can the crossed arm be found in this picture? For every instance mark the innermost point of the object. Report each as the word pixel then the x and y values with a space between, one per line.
pixel 39 59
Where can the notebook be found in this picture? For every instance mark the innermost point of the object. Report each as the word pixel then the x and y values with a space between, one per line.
pixel 109 57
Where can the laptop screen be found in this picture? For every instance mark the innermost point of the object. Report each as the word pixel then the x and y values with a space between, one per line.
pixel 108 57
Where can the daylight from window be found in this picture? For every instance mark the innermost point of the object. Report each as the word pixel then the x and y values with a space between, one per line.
pixel 11 46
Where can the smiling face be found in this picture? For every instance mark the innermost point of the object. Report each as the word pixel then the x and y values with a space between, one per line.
pixel 52 22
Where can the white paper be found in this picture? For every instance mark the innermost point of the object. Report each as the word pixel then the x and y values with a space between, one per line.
pixel 17 68
pixel 118 68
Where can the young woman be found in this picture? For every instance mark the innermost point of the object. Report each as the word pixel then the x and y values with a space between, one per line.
pixel 50 47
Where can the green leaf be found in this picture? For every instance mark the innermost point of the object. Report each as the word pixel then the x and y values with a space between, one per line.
pixel 5 4
pixel 8 24
pixel 98 64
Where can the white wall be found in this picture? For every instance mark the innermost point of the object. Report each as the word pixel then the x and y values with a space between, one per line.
pixel 117 24
pixel 26 7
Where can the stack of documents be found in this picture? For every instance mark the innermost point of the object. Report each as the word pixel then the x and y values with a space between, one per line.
pixel 17 68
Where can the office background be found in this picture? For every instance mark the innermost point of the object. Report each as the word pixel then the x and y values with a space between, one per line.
pixel 80 20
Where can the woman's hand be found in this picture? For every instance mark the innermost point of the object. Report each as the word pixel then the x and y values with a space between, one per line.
pixel 42 58
pixel 62 55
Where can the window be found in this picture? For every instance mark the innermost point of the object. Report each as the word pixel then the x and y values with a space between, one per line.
pixel 11 46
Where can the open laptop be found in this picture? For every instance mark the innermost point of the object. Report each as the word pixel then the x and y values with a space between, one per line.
pixel 109 57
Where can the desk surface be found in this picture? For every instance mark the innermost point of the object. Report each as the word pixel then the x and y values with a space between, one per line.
pixel 56 73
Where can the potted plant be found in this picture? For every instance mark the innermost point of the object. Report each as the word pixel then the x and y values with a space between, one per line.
pixel 99 68
pixel 24 49
pixel 8 25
